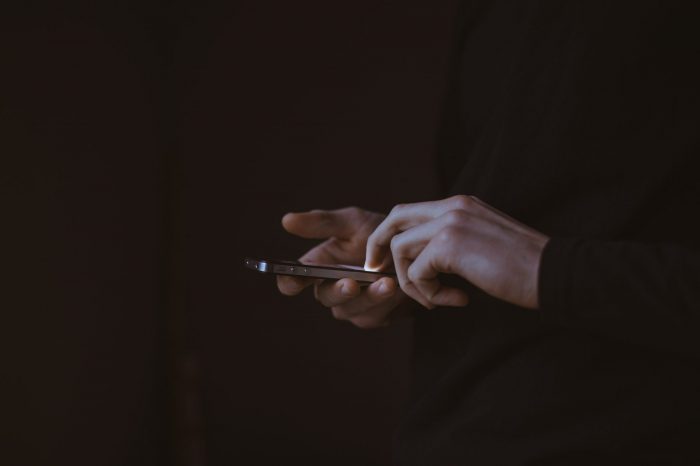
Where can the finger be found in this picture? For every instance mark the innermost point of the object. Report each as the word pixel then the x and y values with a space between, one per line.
pixel 404 217
pixel 423 274
pixel 406 246
pixel 380 295
pixel 412 291
pixel 334 293
pixel 320 224
pixel 401 218
pixel 447 296
pixel 410 243
pixel 402 264
pixel 292 286
pixel 320 254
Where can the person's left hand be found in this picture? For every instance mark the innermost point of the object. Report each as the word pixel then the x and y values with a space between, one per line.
pixel 459 235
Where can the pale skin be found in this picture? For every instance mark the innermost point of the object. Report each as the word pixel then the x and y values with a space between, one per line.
pixel 460 235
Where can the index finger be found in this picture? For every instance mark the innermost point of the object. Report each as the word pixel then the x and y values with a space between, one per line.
pixel 322 224
pixel 401 218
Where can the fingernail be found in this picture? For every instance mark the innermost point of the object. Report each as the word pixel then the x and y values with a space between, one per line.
pixel 371 268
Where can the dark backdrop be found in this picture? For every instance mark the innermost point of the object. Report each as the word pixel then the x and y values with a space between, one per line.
pixel 146 148
pixel 82 247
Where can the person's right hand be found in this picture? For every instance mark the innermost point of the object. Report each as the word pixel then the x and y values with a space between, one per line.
pixel 345 232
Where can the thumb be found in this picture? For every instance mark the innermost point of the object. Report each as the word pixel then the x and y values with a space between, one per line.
pixel 321 224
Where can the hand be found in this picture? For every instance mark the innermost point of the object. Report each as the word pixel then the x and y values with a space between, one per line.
pixel 345 232
pixel 464 236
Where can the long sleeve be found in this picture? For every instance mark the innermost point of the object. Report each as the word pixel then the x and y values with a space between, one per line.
pixel 642 293
pixel 581 120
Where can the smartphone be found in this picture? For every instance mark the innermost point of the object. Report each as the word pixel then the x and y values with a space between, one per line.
pixel 332 272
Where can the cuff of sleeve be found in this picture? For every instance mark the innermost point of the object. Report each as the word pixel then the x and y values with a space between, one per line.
pixel 556 279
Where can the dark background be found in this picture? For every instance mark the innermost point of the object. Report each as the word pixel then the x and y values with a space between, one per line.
pixel 145 149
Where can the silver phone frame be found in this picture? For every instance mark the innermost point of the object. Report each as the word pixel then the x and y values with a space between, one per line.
pixel 329 272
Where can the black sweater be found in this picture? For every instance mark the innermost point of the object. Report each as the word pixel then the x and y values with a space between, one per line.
pixel 581 119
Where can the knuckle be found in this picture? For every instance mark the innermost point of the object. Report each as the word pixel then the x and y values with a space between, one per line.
pixel 353 211
pixel 462 201
pixel 448 234
pixel 397 209
pixel 456 216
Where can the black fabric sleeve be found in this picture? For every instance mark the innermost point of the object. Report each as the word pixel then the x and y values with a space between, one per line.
pixel 646 294
pixel 449 156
